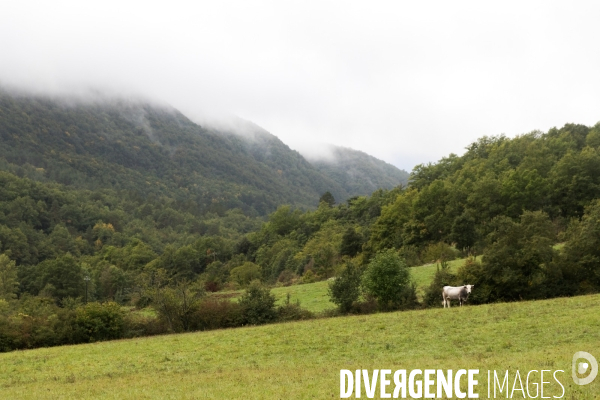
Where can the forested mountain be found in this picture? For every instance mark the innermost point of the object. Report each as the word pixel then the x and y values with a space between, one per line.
pixel 358 172
pixel 119 183
pixel 153 151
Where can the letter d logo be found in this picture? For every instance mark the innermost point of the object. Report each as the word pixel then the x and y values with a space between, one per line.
pixel 582 368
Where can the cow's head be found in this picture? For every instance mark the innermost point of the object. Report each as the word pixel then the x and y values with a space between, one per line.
pixel 469 288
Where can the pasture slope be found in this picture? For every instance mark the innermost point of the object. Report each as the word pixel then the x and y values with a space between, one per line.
pixel 314 297
pixel 303 359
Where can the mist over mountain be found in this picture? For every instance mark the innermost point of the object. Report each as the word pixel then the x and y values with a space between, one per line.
pixel 356 171
pixel 154 150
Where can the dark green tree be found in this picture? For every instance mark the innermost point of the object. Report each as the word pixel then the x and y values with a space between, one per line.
pixel 580 257
pixel 345 289
pixel 8 278
pixel 63 275
pixel 328 198
pixel 516 260
pixel 351 243
pixel 387 279
pixel 464 232
pixel 258 305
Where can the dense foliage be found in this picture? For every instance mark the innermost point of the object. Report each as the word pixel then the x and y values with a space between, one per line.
pixel 154 151
pixel 137 206
pixel 344 290
pixel 454 200
pixel 387 279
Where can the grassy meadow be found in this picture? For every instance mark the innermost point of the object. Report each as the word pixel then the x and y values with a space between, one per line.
pixel 313 296
pixel 303 359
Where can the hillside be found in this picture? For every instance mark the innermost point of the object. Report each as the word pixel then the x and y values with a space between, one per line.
pixel 154 151
pixel 314 297
pixel 359 173
pixel 303 359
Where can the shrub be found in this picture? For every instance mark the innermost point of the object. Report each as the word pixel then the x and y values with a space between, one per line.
pixel 215 313
pixel 345 289
pixel 407 298
pixel 292 312
pixel 212 286
pixel 309 277
pixel 410 254
pixel 257 305
pixel 368 306
pixel 286 277
pixel 177 305
pixel 472 273
pixel 138 325
pixel 99 321
pixel 386 279
pixel 246 273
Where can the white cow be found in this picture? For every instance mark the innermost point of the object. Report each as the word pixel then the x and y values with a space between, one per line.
pixel 460 293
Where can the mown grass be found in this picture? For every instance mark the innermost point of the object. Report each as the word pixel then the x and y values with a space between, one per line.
pixel 303 359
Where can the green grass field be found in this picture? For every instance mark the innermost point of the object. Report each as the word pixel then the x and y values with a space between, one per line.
pixel 303 359
pixel 313 296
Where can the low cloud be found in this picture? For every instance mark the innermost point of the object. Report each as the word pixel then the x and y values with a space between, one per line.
pixel 315 151
pixel 405 82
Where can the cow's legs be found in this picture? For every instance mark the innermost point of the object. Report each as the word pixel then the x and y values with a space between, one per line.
pixel 447 302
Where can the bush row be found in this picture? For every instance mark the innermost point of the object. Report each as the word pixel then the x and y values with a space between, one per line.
pixel 33 322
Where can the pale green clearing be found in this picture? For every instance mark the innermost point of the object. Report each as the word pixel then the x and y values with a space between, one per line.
pixel 314 298
pixel 302 360
pixel 423 275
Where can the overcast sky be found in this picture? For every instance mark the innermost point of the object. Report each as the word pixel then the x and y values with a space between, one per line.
pixel 408 82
